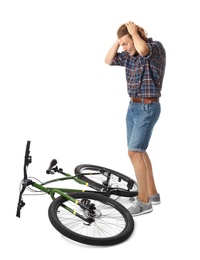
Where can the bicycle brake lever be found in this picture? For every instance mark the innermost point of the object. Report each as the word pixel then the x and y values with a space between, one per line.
pixel 52 164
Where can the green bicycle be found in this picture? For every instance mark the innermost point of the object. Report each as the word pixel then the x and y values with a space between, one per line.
pixel 89 217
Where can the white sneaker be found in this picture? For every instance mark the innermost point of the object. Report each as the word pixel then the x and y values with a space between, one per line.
pixel 138 208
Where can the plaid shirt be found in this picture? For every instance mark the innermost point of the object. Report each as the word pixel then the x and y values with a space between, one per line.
pixel 144 75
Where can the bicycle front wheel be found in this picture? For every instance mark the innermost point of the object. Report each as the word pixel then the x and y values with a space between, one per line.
pixel 104 179
pixel 112 222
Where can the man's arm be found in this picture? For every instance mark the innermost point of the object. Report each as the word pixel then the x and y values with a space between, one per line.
pixel 140 45
pixel 112 53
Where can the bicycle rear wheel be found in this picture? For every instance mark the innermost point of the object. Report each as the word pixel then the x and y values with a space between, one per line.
pixel 104 179
pixel 112 224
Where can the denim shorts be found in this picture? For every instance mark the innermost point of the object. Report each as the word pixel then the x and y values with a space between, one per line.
pixel 140 121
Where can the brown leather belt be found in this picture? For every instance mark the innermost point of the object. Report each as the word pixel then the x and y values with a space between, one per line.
pixel 145 100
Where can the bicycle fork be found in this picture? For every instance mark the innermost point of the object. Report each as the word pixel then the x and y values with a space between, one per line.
pixel 85 205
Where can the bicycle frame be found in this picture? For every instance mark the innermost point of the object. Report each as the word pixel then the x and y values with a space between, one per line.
pixel 51 190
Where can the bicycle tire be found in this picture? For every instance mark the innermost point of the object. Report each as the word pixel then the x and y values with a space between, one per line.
pixel 95 175
pixel 113 222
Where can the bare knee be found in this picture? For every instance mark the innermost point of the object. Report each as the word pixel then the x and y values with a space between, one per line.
pixel 133 155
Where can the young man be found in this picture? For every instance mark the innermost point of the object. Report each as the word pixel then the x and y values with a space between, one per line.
pixel 144 61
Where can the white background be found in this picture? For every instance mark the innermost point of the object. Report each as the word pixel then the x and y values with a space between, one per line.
pixel 57 92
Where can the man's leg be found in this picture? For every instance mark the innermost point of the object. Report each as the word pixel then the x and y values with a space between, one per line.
pixel 140 167
pixel 144 175
pixel 151 187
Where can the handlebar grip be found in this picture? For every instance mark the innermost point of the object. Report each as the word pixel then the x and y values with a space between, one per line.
pixel 27 157
pixel 27 148
pixel 52 164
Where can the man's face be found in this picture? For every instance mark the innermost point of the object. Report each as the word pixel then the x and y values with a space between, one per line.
pixel 127 44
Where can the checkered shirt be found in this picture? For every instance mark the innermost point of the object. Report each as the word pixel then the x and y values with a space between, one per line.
pixel 144 75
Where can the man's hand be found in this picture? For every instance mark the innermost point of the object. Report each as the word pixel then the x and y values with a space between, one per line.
pixel 132 28
pixel 140 45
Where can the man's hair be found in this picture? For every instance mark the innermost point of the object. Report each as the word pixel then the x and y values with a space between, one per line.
pixel 124 31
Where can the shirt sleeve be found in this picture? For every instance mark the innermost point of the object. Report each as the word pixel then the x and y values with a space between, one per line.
pixel 156 50
pixel 120 59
